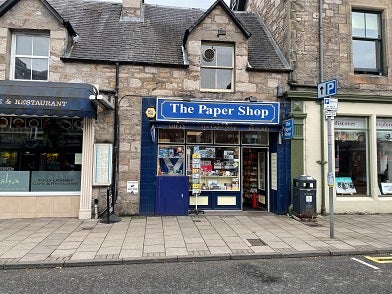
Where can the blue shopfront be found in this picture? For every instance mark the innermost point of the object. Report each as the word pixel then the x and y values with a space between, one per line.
pixel 230 154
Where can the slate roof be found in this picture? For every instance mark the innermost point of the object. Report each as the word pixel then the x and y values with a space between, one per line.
pixel 104 37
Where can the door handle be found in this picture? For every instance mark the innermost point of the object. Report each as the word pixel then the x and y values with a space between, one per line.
pixel 182 195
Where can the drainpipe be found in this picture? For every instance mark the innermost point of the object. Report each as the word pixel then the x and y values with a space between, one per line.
pixel 116 148
pixel 322 162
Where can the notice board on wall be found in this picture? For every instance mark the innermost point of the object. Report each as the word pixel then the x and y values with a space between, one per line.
pixel 102 171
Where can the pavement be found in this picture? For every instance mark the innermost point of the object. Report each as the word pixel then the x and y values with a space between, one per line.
pixel 70 242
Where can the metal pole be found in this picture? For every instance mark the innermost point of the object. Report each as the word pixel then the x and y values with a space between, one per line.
pixel 330 178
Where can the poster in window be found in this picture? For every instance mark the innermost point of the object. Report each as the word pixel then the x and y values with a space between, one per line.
pixel 386 188
pixel 344 185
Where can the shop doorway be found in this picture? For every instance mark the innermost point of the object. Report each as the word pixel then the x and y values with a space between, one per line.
pixel 255 176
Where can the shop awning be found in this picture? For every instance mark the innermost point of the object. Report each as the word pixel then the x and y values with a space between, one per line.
pixel 46 99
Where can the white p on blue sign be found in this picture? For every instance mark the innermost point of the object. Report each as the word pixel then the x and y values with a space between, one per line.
pixel 326 89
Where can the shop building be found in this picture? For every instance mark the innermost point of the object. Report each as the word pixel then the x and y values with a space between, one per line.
pixel 221 72
pixel 359 61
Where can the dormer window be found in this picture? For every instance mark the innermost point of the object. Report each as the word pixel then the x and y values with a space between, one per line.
pixel 217 67
pixel 30 60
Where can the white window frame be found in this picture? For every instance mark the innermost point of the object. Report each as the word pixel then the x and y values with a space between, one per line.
pixel 14 55
pixel 217 67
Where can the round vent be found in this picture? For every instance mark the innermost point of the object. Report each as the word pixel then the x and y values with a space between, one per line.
pixel 209 54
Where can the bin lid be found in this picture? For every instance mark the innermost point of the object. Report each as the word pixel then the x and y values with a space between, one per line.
pixel 304 178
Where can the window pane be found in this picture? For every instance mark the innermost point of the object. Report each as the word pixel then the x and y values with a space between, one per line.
pixel 372 30
pixel 171 136
pixel 41 46
pixel 207 78
pixel 199 136
pixel 384 155
pixel 225 56
pixel 358 24
pixel 40 69
pixel 364 55
pixel 227 137
pixel 22 68
pixel 23 45
pixel 224 79
pixel 351 156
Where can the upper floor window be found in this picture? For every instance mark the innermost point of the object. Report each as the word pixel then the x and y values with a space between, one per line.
pixel 367 42
pixel 30 59
pixel 217 67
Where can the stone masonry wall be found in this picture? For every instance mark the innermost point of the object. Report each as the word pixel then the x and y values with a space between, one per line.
pixel 303 43
pixel 136 82
pixel 275 15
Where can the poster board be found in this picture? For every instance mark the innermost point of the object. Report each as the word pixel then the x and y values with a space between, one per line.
pixel 102 169
pixel 344 185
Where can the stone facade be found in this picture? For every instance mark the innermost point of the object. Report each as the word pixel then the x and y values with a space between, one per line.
pixel 136 81
pixel 295 26
pixel 360 95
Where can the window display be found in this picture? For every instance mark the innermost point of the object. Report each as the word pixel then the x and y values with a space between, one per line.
pixel 351 156
pixel 219 167
pixel 384 155
pixel 171 160
pixel 40 154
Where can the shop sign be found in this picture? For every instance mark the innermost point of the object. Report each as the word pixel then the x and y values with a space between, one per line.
pixel 55 181
pixel 288 129
pixel 217 112
pixel 14 181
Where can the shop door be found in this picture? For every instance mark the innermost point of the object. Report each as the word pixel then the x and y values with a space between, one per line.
pixel 255 178
pixel 172 195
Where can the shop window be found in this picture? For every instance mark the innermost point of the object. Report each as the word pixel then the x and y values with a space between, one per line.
pixel 351 156
pixel 30 60
pixel 217 167
pixel 255 138
pixel 384 155
pixel 367 42
pixel 171 136
pixel 217 67
pixel 171 160
pixel 199 136
pixel 40 154
pixel 227 137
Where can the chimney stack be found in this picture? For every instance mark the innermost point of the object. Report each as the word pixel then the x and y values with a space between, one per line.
pixel 132 8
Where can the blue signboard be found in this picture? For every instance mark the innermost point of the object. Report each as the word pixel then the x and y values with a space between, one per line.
pixel 288 129
pixel 212 111
pixel 326 89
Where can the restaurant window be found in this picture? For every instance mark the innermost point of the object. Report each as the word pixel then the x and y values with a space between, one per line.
pixel 217 67
pixel 367 42
pixel 30 57
pixel 384 155
pixel 351 156
pixel 40 154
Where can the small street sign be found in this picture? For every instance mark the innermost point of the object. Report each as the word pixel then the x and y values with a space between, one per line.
pixel 288 129
pixel 328 88
pixel 330 104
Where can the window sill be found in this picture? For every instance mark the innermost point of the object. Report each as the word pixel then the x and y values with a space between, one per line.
pixel 356 78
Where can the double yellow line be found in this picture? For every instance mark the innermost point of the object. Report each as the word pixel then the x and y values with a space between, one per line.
pixel 380 259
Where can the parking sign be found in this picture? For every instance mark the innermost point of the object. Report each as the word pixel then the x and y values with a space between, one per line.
pixel 326 89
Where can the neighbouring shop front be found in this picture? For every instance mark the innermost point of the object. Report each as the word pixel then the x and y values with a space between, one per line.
pixel 230 155
pixel 41 147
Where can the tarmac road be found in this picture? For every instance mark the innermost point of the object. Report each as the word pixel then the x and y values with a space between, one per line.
pixel 341 274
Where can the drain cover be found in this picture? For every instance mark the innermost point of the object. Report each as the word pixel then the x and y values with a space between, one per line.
pixel 312 224
pixel 256 242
